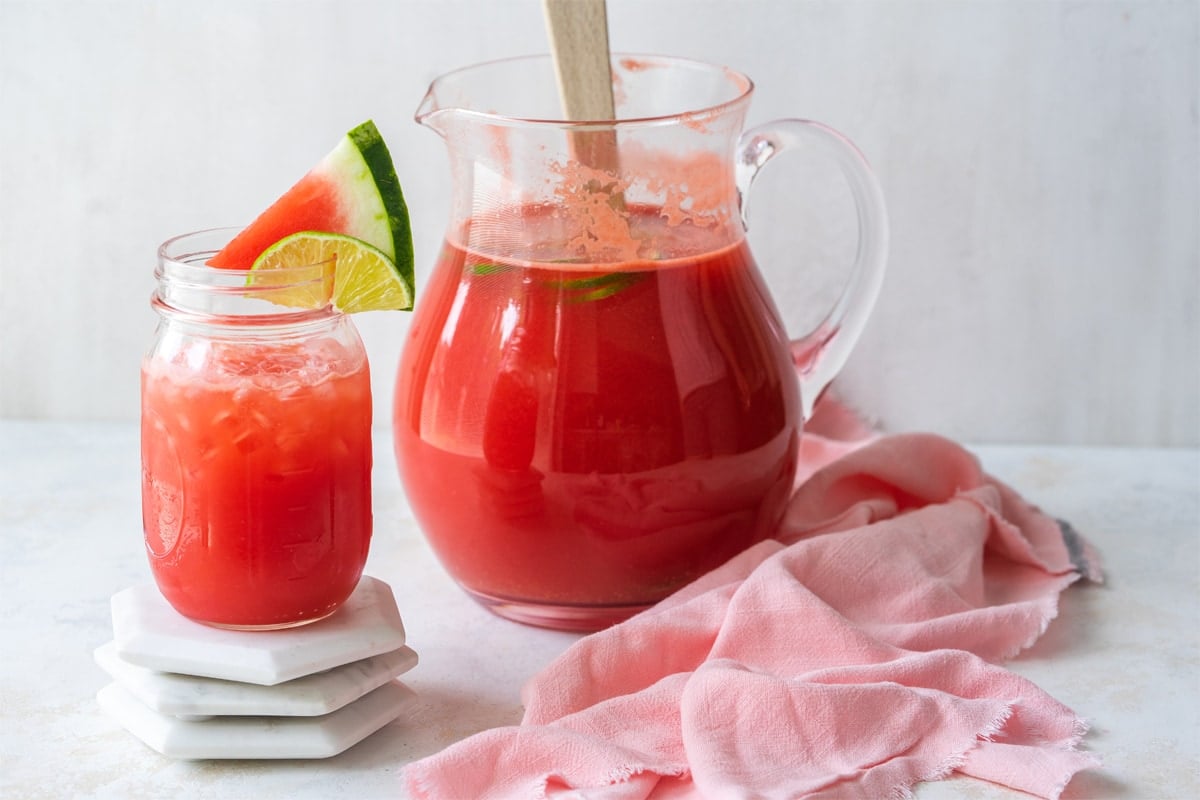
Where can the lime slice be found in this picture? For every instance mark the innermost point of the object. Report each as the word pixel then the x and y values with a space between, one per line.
pixel 364 277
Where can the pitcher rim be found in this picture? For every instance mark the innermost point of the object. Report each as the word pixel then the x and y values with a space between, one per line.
pixel 743 84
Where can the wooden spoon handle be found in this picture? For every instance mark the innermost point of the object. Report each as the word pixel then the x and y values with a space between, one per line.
pixel 578 31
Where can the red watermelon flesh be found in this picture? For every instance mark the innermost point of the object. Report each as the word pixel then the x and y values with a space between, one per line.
pixel 311 205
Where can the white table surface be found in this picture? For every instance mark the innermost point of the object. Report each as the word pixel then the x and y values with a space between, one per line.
pixel 1125 655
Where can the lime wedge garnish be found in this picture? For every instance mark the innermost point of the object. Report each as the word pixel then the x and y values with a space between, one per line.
pixel 365 278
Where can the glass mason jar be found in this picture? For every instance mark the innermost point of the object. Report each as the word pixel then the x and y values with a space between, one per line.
pixel 256 442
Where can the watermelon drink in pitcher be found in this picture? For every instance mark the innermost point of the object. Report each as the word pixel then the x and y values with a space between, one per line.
pixel 578 461
pixel 597 402
pixel 256 398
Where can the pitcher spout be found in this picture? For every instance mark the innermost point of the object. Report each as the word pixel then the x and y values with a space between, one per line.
pixel 431 113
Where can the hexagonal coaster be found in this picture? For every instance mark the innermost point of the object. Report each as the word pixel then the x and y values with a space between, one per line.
pixel 149 633
pixel 257 737
pixel 308 696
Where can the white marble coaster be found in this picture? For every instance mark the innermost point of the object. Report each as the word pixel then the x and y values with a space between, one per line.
pixel 257 737
pixel 149 633
pixel 309 696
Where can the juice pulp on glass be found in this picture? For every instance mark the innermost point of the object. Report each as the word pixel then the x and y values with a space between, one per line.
pixel 596 434
pixel 256 493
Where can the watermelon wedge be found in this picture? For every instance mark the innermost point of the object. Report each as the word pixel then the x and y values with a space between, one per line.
pixel 353 191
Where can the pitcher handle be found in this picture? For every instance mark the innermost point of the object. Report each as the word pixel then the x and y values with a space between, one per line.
pixel 820 354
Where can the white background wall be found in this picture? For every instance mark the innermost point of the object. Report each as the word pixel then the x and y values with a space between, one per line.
pixel 1039 159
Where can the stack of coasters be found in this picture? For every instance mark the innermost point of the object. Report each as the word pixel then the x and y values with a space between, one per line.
pixel 191 691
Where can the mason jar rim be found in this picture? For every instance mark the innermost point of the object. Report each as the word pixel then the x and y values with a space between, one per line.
pixel 188 285
pixel 185 257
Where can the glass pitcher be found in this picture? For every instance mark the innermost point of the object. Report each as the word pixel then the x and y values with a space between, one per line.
pixel 597 401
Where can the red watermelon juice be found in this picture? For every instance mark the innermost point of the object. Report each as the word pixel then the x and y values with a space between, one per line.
pixel 256 481
pixel 582 435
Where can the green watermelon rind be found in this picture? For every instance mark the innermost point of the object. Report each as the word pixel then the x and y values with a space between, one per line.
pixel 384 185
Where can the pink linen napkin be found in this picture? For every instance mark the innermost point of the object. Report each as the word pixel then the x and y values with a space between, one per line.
pixel 850 657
